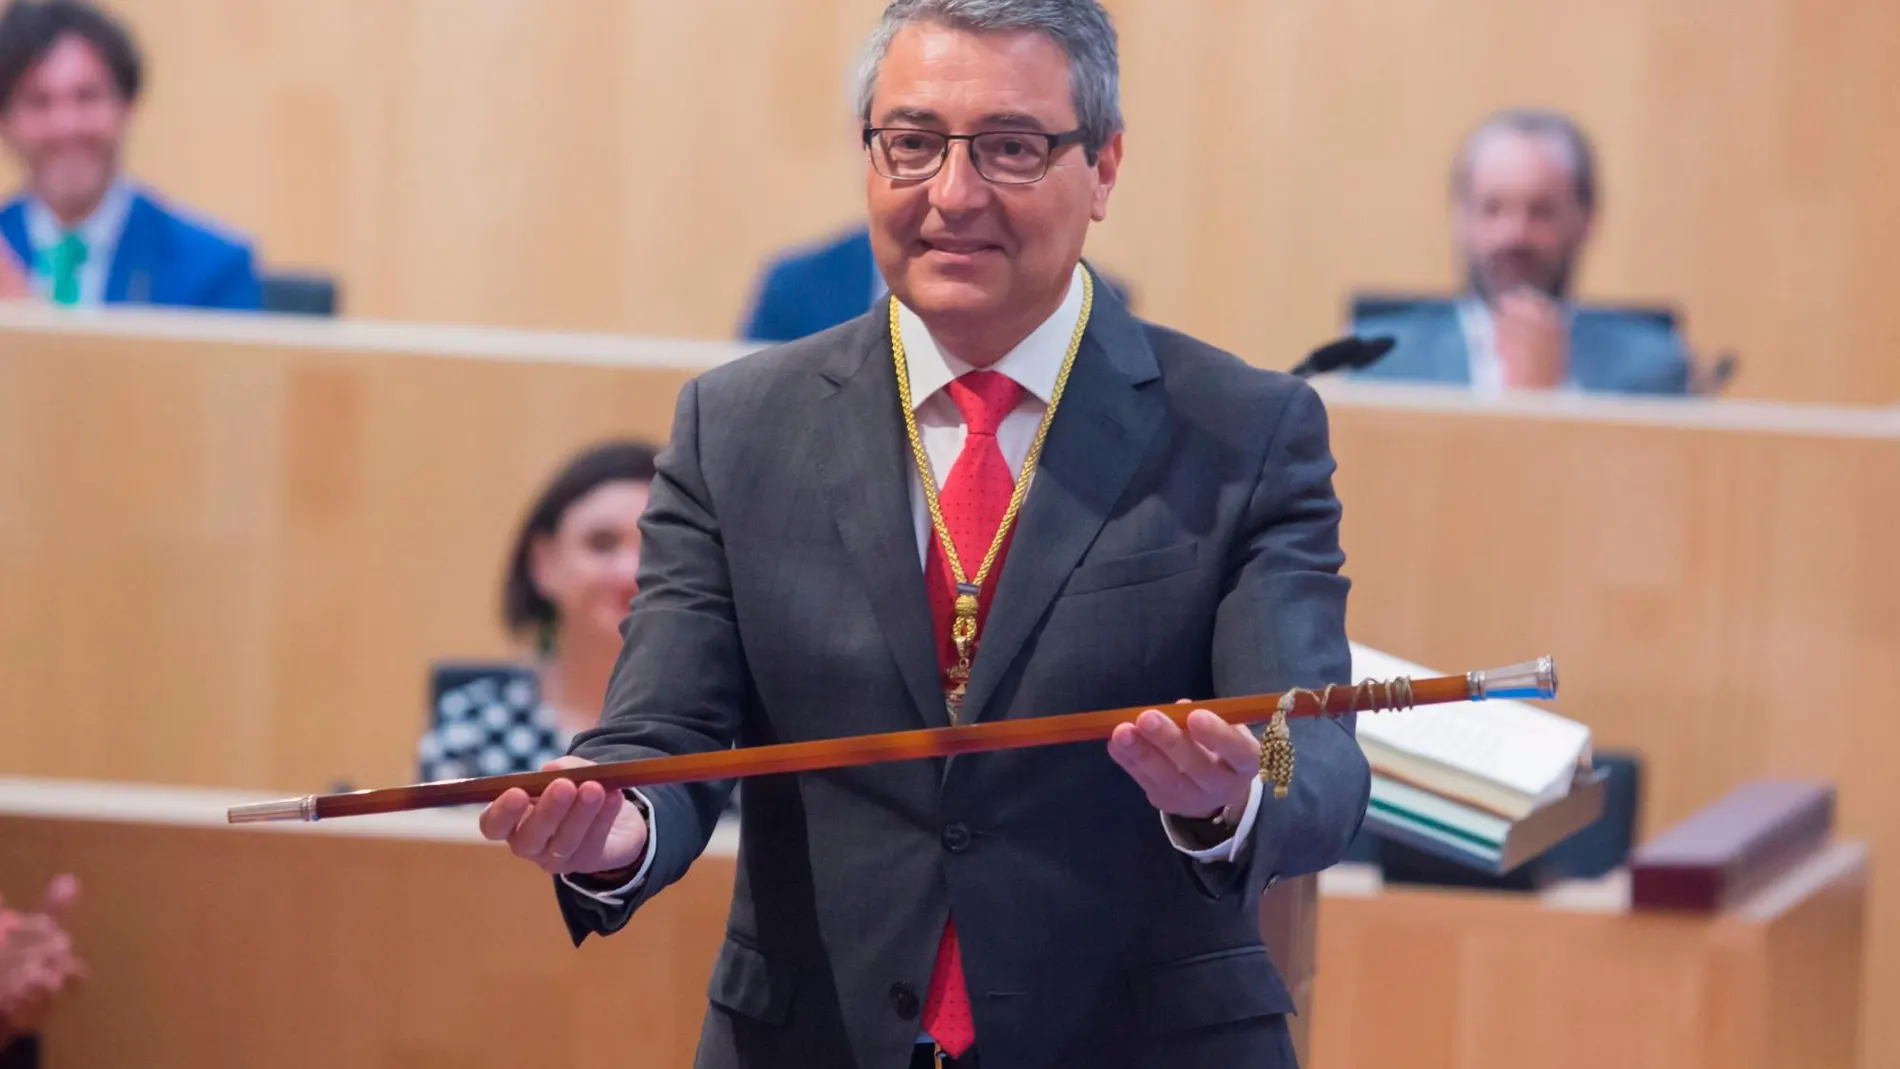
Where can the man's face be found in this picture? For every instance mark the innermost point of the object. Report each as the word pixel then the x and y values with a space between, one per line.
pixel 957 246
pixel 1517 220
pixel 65 121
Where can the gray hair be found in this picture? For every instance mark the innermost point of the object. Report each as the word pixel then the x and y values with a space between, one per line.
pixel 1081 28
pixel 1555 127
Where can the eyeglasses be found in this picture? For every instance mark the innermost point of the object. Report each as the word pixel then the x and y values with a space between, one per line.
pixel 1011 158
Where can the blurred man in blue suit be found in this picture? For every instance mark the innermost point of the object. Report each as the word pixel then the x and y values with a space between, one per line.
pixel 1524 198
pixel 80 233
pixel 818 286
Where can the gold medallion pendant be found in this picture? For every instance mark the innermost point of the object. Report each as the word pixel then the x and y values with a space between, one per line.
pixel 963 626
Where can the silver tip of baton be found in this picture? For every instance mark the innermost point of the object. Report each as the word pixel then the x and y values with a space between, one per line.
pixel 1531 679
pixel 304 809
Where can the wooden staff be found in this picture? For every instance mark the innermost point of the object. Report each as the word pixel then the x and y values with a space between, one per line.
pixel 1532 679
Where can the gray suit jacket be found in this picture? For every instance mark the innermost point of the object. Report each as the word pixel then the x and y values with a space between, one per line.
pixel 1180 540
pixel 1610 352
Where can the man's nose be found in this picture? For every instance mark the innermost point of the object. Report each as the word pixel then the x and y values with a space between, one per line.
pixel 957 187
pixel 65 119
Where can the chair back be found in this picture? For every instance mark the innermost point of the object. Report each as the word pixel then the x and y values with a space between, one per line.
pixel 294 293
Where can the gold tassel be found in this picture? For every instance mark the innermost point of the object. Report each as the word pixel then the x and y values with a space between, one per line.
pixel 1276 748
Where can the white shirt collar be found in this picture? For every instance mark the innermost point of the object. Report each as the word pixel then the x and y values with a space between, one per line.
pixel 100 230
pixel 1034 364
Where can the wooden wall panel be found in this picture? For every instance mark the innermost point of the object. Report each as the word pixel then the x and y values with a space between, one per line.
pixel 627 164
pixel 407 943
pixel 231 563
pixel 214 948
pixel 1441 979
pixel 1718 587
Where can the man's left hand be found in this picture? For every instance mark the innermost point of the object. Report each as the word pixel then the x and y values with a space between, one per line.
pixel 1207 769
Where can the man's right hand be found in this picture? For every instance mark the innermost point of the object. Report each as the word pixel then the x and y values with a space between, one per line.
pixel 1533 340
pixel 569 829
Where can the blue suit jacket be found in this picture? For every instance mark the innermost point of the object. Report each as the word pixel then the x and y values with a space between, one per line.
pixel 813 288
pixel 163 257
pixel 1610 351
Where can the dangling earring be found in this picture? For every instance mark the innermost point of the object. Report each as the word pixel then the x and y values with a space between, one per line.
pixel 547 636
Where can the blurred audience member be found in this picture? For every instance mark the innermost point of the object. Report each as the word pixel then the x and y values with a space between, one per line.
pixel 1524 200
pixel 36 963
pixel 81 232
pixel 816 287
pixel 571 579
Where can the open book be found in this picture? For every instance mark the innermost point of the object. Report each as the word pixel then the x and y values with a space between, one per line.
pixel 1507 758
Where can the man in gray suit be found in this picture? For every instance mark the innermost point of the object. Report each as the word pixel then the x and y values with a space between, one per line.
pixel 812 567
pixel 1524 198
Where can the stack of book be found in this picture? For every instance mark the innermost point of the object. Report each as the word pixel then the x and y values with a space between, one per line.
pixel 1489 784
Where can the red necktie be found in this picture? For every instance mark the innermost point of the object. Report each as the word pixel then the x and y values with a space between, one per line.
pixel 973 500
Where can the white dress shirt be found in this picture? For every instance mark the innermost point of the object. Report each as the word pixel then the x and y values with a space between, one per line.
pixel 1034 364
pixel 100 231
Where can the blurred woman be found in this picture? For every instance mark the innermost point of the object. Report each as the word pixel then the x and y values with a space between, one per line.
pixel 571 576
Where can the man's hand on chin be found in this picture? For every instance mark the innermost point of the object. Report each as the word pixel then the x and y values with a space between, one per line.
pixel 1204 771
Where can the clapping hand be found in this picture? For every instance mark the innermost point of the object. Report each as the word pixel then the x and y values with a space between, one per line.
pixel 36 959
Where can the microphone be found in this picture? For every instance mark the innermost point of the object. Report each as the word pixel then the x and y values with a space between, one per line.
pixel 1350 352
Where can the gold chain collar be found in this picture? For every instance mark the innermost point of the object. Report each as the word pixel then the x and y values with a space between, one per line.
pixel 969 589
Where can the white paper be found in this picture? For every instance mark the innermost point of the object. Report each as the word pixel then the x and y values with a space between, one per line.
pixel 1511 743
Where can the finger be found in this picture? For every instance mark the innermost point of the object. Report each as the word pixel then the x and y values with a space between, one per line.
pixel 60 894
pixel 1153 772
pixel 570 761
pixel 1188 757
pixel 503 815
pixel 531 838
pixel 566 839
pixel 596 837
pixel 586 855
pixel 1231 744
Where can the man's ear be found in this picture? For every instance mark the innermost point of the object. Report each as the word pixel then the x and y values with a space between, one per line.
pixel 1108 166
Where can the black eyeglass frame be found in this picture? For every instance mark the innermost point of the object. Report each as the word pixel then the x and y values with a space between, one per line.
pixel 1057 142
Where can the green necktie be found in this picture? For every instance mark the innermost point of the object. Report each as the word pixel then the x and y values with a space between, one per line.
pixel 63 262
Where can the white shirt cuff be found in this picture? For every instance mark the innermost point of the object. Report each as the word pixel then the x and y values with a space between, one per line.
pixel 1233 849
pixel 617 896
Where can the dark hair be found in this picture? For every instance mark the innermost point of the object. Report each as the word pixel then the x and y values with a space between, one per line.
pixel 1535 122
pixel 30 28
pixel 523 606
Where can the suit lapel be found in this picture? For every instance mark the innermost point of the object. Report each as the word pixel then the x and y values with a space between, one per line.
pixel 135 259
pixel 1585 344
pixel 1453 349
pixel 1101 432
pixel 866 472
pixel 13 228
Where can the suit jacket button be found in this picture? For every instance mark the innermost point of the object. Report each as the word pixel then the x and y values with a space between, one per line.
pixel 956 837
pixel 904 1001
